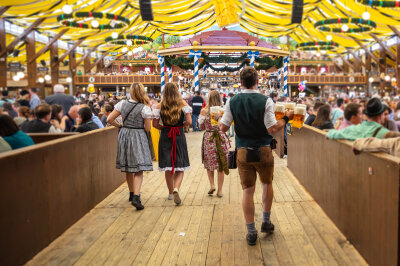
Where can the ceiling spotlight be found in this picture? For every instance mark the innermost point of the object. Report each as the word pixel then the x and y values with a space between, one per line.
pixel 16 78
pixel 371 79
pixel 129 42
pixel 345 28
pixel 387 77
pixel 323 52
pixel 130 53
pixel 69 79
pixel 329 37
pixel 114 35
pixel 318 54
pixel 21 74
pixel 47 77
pixel 124 50
pixel 95 23
pixel 41 80
pixel 366 15
pixel 67 9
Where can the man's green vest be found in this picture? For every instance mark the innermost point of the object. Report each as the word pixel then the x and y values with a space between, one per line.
pixel 248 115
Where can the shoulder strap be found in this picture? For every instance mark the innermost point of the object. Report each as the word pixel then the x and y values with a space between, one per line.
pixel 376 131
pixel 134 106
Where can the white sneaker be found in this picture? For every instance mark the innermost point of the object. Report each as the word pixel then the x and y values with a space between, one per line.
pixel 170 196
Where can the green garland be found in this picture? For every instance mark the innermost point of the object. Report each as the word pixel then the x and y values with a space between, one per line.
pixel 122 39
pixel 224 58
pixel 264 63
pixel 380 3
pixel 68 20
pixel 315 46
pixel 362 25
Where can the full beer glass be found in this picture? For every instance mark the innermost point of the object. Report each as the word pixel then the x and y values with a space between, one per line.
pixel 279 110
pixel 289 106
pixel 214 111
pixel 299 115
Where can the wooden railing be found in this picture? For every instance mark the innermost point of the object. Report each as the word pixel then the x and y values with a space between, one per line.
pixel 156 79
pixel 45 188
pixel 43 137
pixel 360 193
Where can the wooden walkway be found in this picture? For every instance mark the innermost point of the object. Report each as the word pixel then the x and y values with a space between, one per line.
pixel 204 230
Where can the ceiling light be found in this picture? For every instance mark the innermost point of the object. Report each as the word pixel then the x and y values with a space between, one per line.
pixel 329 38
pixel 371 79
pixel 387 78
pixel 16 78
pixel 41 80
pixel 114 35
pixel 95 23
pixel 69 79
pixel 129 42
pixel 124 50
pixel 366 15
pixel 318 54
pixel 47 77
pixel 67 9
pixel 345 28
pixel 130 53
pixel 323 52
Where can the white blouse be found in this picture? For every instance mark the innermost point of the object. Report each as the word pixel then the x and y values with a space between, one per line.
pixel 186 110
pixel 146 111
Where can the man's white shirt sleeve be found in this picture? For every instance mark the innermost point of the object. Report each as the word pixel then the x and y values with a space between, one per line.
pixel 269 115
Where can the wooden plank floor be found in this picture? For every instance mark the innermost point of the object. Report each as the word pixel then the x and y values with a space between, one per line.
pixel 204 230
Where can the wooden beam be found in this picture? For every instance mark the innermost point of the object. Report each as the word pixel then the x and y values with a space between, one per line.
pixel 76 44
pixel 337 65
pixel 3 59
pixel 98 60
pixel 382 69
pixel 376 59
pixel 3 9
pixel 398 63
pixel 55 70
pixel 11 46
pixel 30 53
pixel 390 53
pixel 47 46
pixel 346 61
pixel 355 56
pixel 72 69
pixel 395 30
pixel 86 55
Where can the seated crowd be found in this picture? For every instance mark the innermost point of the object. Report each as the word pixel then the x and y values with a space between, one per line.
pixel 372 124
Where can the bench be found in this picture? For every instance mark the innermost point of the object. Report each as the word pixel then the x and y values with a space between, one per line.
pixel 43 137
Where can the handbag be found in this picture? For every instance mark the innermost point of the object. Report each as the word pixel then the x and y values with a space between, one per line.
pixel 232 156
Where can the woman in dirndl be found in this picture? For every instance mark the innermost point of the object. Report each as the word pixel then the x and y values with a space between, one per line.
pixel 170 116
pixel 133 155
pixel 215 147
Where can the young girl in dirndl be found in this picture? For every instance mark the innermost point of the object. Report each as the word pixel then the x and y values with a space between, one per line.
pixel 215 145
pixel 170 116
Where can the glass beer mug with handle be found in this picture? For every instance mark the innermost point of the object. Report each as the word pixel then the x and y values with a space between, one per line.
pixel 279 110
pixel 214 112
pixel 299 115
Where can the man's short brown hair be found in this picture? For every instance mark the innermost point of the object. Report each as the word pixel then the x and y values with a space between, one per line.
pixel 42 110
pixel 351 110
pixel 249 77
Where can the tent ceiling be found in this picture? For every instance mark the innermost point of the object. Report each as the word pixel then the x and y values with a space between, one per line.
pixel 185 17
